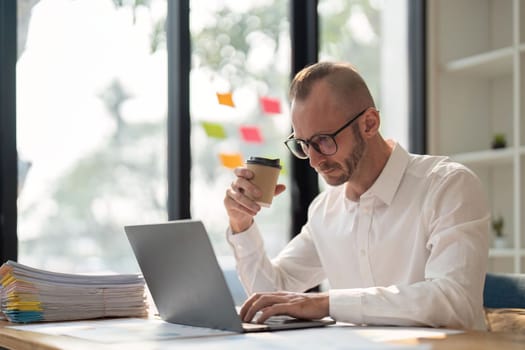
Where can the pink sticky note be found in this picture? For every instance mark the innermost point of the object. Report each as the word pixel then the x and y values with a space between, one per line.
pixel 270 105
pixel 251 134
pixel 225 99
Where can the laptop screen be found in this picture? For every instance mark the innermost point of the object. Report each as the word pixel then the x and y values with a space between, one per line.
pixel 183 275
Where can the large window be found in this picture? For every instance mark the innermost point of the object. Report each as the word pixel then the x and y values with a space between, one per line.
pixel 92 113
pixel 91 110
pixel 242 53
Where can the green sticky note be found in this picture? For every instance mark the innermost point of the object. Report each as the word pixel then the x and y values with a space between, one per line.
pixel 214 130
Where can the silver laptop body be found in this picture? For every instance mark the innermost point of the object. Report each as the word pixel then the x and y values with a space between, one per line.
pixel 186 281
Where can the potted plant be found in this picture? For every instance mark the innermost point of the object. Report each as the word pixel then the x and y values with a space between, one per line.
pixel 497 226
pixel 499 141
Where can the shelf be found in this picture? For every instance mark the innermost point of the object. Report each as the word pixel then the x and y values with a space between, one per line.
pixel 488 157
pixel 489 64
pixel 475 90
pixel 505 252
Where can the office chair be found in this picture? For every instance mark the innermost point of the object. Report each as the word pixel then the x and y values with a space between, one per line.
pixel 504 302
pixel 504 291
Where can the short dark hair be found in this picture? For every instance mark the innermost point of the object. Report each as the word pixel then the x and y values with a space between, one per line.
pixel 343 77
pixel 304 79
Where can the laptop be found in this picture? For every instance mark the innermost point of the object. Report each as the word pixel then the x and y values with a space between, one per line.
pixel 186 281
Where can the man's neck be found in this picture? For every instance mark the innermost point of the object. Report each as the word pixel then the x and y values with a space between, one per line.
pixel 372 165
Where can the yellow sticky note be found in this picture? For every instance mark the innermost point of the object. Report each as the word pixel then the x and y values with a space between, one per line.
pixel 7 279
pixel 226 99
pixel 214 130
pixel 26 306
pixel 231 160
pixel 284 170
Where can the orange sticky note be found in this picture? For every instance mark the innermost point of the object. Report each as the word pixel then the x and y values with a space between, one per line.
pixel 251 134
pixel 226 99
pixel 231 160
pixel 270 105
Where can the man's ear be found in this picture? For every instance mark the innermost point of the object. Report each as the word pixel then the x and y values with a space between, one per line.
pixel 371 123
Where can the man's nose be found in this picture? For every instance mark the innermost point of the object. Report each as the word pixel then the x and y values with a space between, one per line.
pixel 314 157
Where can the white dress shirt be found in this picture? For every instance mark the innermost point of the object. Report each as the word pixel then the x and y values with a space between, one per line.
pixel 412 251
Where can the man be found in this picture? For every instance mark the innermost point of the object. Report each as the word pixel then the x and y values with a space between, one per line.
pixel 402 239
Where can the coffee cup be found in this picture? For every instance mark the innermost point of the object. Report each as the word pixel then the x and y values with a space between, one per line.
pixel 265 174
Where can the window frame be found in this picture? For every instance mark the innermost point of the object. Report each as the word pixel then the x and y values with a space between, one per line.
pixel 8 154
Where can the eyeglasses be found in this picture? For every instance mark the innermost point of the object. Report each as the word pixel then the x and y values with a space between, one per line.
pixel 323 143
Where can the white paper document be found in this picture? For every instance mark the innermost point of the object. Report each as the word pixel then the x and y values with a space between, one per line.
pixel 34 295
pixel 121 330
pixel 135 333
pixel 383 334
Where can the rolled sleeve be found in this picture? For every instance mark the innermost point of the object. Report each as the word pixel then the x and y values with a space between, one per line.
pixel 346 305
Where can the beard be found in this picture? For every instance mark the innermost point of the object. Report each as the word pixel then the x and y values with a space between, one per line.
pixel 350 164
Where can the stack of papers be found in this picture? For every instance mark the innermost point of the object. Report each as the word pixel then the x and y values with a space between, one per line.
pixel 31 295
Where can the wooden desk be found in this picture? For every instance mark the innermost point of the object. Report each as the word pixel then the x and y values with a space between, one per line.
pixel 475 341
pixel 21 340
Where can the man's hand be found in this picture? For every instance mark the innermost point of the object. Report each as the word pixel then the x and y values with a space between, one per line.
pixel 240 208
pixel 310 306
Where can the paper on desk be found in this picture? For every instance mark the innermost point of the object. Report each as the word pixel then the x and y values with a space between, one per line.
pixel 121 330
pixel 383 334
pixel 157 334
pixel 31 295
pixel 331 337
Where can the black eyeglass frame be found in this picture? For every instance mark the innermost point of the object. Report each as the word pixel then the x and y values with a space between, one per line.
pixel 315 145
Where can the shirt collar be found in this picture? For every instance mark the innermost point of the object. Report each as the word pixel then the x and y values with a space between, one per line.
pixel 386 185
